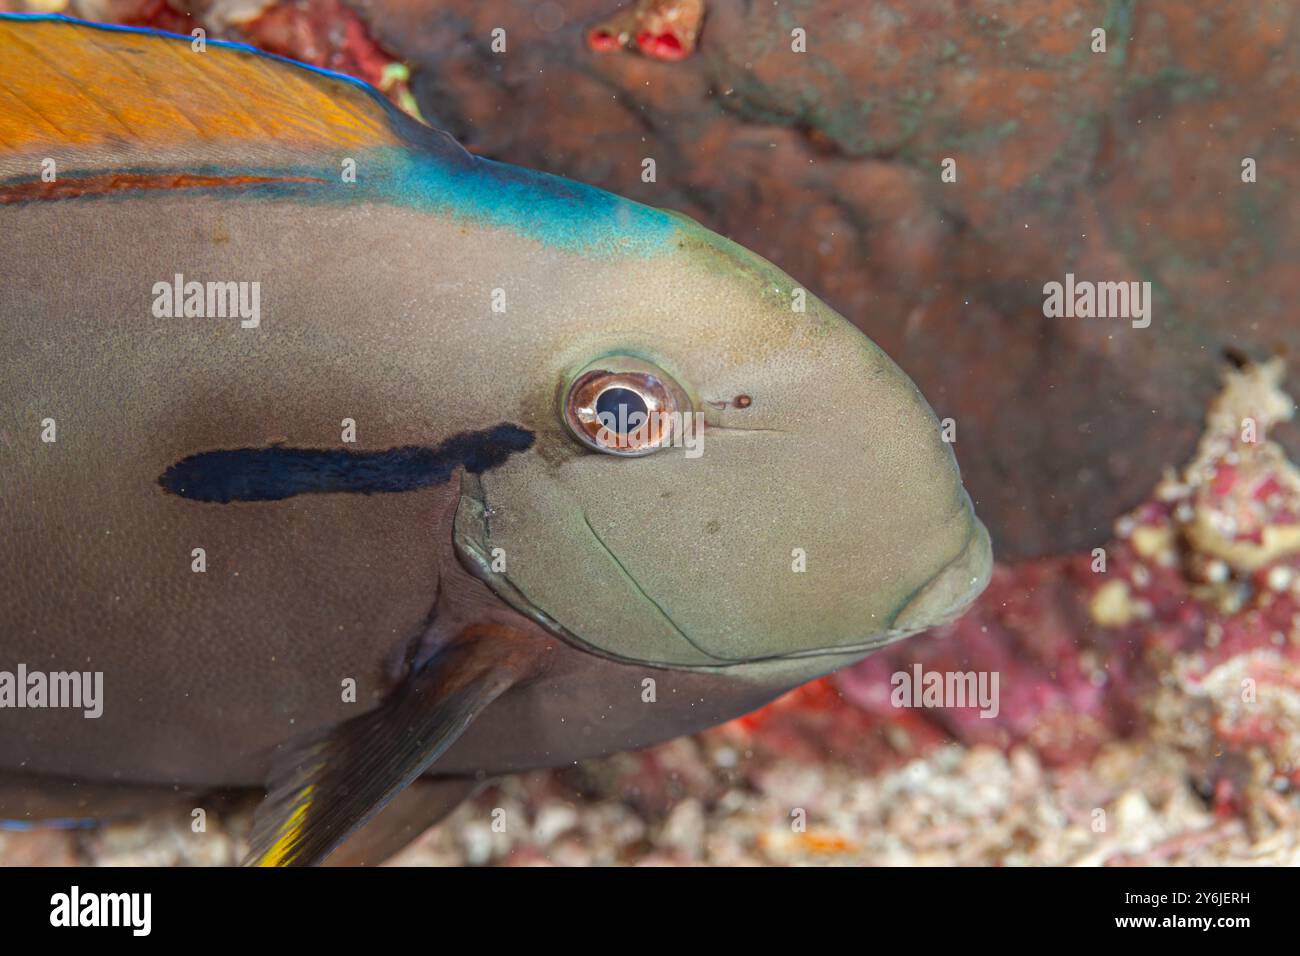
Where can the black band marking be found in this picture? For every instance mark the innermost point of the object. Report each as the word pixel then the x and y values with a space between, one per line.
pixel 271 474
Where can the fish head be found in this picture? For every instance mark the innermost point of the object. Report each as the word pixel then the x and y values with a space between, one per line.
pixel 726 473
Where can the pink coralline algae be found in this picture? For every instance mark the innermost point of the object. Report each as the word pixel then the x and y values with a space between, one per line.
pixel 661 29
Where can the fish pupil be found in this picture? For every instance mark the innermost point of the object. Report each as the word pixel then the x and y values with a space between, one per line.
pixel 621 409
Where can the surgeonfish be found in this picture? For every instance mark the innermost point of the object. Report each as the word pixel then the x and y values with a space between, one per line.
pixel 359 469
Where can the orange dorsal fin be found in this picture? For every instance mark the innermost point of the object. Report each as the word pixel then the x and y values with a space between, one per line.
pixel 97 98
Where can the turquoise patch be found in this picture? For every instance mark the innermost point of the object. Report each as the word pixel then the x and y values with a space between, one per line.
pixel 549 209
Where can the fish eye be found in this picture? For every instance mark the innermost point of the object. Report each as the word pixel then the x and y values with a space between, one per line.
pixel 624 406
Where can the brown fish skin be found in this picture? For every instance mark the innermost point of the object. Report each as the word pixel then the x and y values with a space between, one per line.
pixel 299 594
pixel 570 704
pixel 207 675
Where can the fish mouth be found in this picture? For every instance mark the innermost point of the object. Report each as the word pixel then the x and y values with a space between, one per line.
pixel 953 589
pixel 940 600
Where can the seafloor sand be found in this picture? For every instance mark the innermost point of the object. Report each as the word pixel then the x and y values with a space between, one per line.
pixel 713 800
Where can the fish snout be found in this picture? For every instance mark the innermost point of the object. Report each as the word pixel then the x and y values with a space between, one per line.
pixel 954 587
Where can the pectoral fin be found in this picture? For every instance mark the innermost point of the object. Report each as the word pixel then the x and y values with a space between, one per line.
pixel 408 815
pixel 325 789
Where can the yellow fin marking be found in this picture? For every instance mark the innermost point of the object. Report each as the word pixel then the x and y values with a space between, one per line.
pixel 282 853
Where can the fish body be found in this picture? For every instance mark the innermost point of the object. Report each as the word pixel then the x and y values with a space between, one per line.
pixel 302 449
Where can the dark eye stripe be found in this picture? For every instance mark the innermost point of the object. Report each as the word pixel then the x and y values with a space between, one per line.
pixel 271 474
